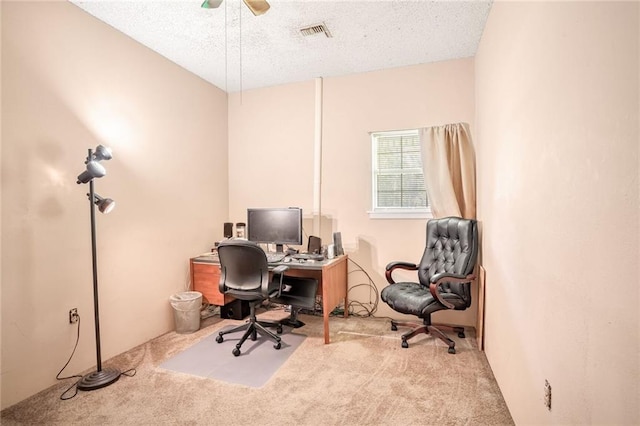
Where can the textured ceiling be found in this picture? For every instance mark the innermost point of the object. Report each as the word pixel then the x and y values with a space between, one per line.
pixel 235 50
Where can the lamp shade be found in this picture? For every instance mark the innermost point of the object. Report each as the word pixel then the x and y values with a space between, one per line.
pixel 94 170
pixel 102 153
pixel 105 205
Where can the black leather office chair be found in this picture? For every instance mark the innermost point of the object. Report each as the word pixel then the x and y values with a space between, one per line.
pixel 244 274
pixel 444 273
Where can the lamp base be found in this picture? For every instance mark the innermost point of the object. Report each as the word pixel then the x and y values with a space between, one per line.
pixel 98 379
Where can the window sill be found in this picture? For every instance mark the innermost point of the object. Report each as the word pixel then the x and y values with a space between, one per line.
pixel 391 214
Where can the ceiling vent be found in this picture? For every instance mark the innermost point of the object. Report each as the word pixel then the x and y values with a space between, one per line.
pixel 315 29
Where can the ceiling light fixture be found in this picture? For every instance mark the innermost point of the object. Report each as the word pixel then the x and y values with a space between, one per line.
pixel 257 7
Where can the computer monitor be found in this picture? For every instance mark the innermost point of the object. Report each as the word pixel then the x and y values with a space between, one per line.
pixel 277 226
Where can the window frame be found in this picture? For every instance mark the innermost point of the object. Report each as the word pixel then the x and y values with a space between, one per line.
pixel 393 212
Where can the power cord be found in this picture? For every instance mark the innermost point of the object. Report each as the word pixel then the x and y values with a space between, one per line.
pixel 129 373
pixel 364 310
pixel 62 396
pixel 355 308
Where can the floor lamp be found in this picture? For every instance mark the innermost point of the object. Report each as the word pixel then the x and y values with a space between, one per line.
pixel 101 377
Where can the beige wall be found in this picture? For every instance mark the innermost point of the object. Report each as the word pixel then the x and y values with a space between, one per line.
pixel 69 83
pixel 271 148
pixel 557 142
pixel 553 108
pixel 271 133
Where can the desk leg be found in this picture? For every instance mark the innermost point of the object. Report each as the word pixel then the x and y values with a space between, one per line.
pixel 334 291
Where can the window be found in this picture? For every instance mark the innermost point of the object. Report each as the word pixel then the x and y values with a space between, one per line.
pixel 398 188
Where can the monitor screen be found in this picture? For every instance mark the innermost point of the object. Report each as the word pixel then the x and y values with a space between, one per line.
pixel 275 226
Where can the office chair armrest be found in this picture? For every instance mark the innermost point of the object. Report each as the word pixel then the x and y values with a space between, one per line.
pixel 438 279
pixel 398 265
pixel 280 270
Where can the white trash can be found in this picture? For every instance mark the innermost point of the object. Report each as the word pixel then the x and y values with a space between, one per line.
pixel 186 311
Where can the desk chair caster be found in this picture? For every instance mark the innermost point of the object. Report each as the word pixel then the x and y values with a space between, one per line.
pixel 236 350
pixel 451 350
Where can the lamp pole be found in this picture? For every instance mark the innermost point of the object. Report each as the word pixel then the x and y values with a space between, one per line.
pixel 99 378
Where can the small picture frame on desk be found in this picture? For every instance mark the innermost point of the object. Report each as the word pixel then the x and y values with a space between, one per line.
pixel 331 251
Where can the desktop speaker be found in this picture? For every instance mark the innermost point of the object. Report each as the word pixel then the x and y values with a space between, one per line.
pixel 337 242
pixel 228 230
pixel 315 245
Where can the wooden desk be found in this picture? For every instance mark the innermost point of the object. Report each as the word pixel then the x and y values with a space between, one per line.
pixel 331 276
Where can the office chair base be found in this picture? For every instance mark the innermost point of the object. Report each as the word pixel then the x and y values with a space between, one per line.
pixel 433 329
pixel 252 328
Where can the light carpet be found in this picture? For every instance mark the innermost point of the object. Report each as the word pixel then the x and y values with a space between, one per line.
pixel 258 360
pixel 363 377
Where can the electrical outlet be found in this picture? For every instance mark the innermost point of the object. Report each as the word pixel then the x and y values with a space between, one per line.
pixel 73 316
pixel 547 395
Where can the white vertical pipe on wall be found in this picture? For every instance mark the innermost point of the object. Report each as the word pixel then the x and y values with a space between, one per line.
pixel 317 161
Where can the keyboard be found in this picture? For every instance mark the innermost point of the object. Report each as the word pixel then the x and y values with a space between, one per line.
pixel 275 257
pixel 308 256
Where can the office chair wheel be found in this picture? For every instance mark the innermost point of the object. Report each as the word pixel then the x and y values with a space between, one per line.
pixel 452 350
pixel 254 336
pixel 461 335
pixel 279 329
pixel 235 352
pixel 404 343
pixel 394 327
pixel 277 345
pixel 219 338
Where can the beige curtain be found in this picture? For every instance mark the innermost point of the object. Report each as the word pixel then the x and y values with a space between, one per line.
pixel 449 167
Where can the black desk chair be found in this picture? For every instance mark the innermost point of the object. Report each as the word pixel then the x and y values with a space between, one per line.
pixel 244 274
pixel 444 273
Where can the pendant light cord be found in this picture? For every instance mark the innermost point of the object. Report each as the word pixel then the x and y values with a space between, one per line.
pixel 240 21
pixel 226 53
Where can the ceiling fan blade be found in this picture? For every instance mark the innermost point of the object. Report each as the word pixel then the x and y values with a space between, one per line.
pixel 211 4
pixel 258 7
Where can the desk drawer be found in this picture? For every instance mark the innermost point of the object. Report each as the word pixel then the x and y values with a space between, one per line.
pixel 205 279
pixel 207 268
